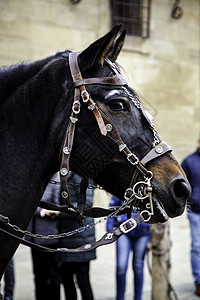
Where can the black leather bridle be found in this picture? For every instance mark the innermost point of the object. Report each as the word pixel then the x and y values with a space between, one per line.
pixel 137 190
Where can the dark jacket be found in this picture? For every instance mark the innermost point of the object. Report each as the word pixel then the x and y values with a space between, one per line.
pixel 48 224
pixel 191 166
pixel 69 223
pixel 141 229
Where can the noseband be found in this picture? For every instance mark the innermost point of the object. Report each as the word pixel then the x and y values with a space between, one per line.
pixel 138 190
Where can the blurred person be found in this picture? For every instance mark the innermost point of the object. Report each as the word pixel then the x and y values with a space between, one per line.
pixel 136 241
pixel 9 281
pixel 191 166
pixel 75 267
pixel 45 264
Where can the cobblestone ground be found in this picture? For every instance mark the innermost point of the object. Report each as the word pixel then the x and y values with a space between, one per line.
pixel 103 268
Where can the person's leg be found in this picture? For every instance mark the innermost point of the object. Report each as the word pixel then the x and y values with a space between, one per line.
pixel 139 247
pixel 67 277
pixel 9 278
pixel 40 267
pixel 194 219
pixel 53 277
pixel 122 256
pixel 83 280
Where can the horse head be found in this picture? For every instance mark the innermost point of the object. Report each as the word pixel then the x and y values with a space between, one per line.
pixel 109 137
pixel 115 140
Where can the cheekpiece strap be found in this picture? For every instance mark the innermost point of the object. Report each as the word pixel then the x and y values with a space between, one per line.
pixel 80 88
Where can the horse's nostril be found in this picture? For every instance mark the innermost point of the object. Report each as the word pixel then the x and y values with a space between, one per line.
pixel 180 189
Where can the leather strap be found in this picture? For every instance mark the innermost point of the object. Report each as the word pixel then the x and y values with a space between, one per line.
pixel 94 212
pixel 157 151
pixel 76 75
pixel 64 171
pixel 117 79
pixel 108 238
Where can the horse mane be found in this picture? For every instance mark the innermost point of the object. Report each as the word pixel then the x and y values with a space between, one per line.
pixel 13 76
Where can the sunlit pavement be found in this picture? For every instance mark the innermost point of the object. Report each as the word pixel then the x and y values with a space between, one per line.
pixel 103 268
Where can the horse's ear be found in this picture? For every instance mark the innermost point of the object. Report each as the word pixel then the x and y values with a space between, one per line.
pixel 118 46
pixel 108 46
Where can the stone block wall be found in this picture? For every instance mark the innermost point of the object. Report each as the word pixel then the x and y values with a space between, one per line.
pixel 164 68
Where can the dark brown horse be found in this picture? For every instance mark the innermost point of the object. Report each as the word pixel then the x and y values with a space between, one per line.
pixel 111 138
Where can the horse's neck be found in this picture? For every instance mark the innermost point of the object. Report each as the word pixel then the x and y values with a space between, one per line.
pixel 32 118
pixel 34 96
pixel 14 76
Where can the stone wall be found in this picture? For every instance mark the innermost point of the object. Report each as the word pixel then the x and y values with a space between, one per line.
pixel 164 69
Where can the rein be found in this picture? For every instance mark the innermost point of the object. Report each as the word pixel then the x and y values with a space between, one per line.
pixel 137 190
pixel 108 238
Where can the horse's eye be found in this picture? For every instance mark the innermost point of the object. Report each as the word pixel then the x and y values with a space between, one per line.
pixel 116 105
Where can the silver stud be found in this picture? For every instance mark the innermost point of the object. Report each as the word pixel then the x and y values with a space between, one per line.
pixel 108 127
pixel 92 106
pixel 64 194
pixel 87 246
pixel 66 150
pixel 63 171
pixel 159 149
pixel 109 236
pixel 121 147
pixel 73 120
pixel 72 209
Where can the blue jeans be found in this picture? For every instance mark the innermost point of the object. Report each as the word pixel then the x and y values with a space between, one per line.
pixel 124 245
pixel 194 219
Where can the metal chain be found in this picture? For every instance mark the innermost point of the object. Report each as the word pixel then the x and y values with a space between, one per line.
pixel 138 104
pixel 133 97
pixel 83 228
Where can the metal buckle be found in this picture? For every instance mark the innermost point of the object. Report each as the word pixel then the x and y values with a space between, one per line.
pixel 132 224
pixel 85 96
pixel 78 104
pixel 135 157
pixel 149 215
